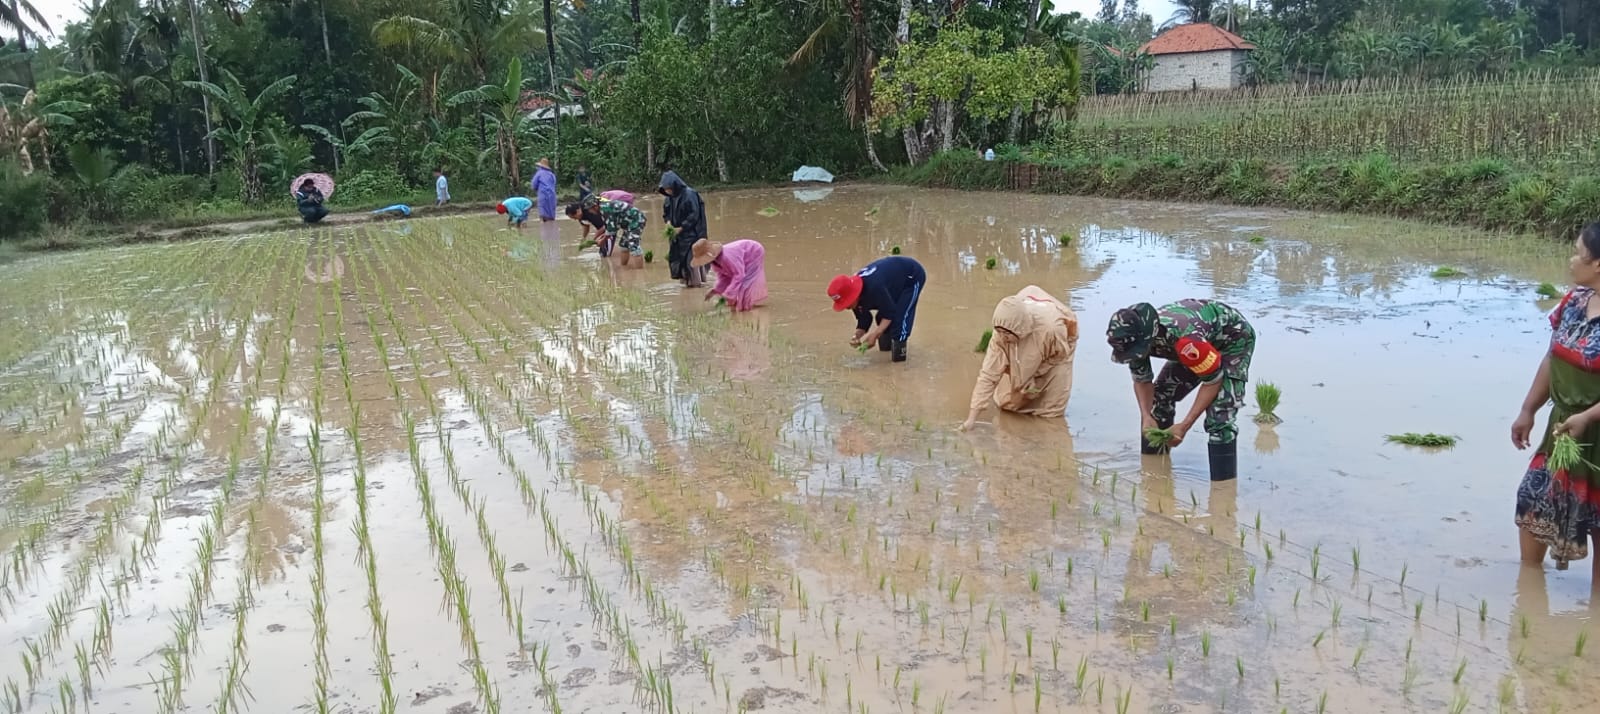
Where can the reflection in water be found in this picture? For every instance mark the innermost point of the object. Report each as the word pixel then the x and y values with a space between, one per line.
pixel 713 479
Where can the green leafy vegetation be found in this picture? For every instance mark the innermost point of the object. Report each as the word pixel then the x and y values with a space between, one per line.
pixel 1548 291
pixel 1267 397
pixel 983 342
pixel 1445 272
pixel 1430 440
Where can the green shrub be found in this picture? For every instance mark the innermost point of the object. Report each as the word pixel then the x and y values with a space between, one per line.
pixel 370 187
pixel 23 208
pixel 139 193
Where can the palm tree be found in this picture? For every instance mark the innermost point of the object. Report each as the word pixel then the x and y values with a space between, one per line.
pixel 17 17
pixel 505 99
pixel 555 87
pixel 1191 11
pixel 243 132
pixel 845 22
pixel 470 31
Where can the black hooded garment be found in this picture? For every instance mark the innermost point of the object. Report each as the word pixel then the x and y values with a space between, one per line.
pixel 684 211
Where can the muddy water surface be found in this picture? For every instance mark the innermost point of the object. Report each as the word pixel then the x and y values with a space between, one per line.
pixel 445 466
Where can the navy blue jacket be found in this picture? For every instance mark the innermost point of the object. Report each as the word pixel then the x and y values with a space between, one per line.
pixel 890 286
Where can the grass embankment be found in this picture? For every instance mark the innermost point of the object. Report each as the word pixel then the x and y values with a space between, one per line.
pixel 1518 152
pixel 1485 193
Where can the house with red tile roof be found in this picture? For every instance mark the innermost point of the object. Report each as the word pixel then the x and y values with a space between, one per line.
pixel 1198 55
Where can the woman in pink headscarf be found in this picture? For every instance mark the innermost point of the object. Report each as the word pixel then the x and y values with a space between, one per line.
pixel 741 270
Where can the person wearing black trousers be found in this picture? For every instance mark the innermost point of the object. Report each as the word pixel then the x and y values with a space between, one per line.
pixel 884 298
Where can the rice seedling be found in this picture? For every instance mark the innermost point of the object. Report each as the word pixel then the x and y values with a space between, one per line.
pixel 767 212
pixel 983 341
pixel 1583 639
pixel 1445 272
pixel 1205 643
pixel 1267 397
pixel 1565 453
pixel 1158 438
pixel 1428 440
pixel 1258 239
pixel 649 256
pixel 894 250
pixel 1548 291
pixel 990 262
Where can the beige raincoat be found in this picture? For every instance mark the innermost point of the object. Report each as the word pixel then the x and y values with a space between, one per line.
pixel 1032 372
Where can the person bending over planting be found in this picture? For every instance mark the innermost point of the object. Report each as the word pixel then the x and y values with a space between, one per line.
pixel 1558 501
pixel 741 271
pixel 620 225
pixel 1206 344
pixel 1028 366
pixel 889 287
pixel 592 219
pixel 515 209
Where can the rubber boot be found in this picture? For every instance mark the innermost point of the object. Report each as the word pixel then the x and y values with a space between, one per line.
pixel 899 351
pixel 1148 449
pixel 885 343
pixel 1224 461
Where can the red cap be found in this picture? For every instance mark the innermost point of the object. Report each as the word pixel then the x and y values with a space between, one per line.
pixel 844 290
pixel 501 209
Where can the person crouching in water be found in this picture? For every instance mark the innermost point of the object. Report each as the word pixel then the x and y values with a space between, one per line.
pixel 515 209
pixel 1206 344
pixel 740 267
pixel 308 199
pixel 620 225
pixel 686 215
pixel 1028 366
pixel 890 287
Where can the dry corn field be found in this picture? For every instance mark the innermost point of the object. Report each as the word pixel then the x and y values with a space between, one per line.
pixel 1531 120
pixel 360 471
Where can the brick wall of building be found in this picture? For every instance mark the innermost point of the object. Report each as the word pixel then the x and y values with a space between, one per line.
pixel 1222 69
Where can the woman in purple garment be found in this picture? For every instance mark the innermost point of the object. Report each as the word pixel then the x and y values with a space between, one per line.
pixel 741 271
pixel 544 187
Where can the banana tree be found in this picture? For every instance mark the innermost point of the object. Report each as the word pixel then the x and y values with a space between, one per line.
pixel 503 109
pixel 243 126
pixel 363 145
pixel 27 123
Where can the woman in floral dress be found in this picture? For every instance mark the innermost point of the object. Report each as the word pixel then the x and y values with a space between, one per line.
pixel 1559 511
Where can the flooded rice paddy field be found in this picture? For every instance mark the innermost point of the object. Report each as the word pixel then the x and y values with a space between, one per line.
pixel 441 466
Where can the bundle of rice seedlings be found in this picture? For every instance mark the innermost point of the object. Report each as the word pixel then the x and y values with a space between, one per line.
pixel 1429 440
pixel 1258 239
pixel 1549 290
pixel 894 251
pixel 990 263
pixel 1565 453
pixel 983 342
pixel 1445 271
pixel 768 212
pixel 1267 397
pixel 649 256
pixel 1158 438
pixel 586 245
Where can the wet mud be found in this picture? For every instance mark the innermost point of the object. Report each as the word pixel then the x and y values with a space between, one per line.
pixel 441 465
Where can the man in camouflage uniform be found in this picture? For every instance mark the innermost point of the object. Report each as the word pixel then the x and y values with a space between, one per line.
pixel 1206 344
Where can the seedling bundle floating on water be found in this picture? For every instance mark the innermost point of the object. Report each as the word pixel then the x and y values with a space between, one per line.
pixel 983 342
pixel 1444 272
pixel 1429 440
pixel 894 251
pixel 990 263
pixel 1267 396
pixel 767 212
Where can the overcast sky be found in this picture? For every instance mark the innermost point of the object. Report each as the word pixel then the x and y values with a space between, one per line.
pixel 61 12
